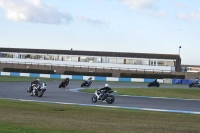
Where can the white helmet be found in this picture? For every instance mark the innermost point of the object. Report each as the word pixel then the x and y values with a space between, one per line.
pixel 106 85
pixel 38 79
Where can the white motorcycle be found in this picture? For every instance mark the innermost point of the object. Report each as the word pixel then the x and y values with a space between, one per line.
pixel 37 90
pixel 109 97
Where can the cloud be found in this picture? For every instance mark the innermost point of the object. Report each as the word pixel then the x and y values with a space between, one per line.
pixel 192 15
pixel 34 11
pixel 182 16
pixel 138 4
pixel 93 21
pixel 179 5
pixel 195 14
pixel 160 13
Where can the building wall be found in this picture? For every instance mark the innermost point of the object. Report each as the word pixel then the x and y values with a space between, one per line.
pixel 88 64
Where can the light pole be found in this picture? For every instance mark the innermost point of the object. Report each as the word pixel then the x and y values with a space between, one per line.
pixel 179 50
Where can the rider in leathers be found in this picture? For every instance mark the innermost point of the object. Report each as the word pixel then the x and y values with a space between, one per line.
pixel 196 81
pixel 37 82
pixel 103 91
pixel 89 81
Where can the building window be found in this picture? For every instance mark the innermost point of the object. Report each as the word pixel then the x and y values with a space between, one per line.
pixel 28 56
pixel 97 59
pixel 153 63
pixel 129 61
pixel 104 60
pixel 90 59
pixel 137 62
pixel 67 58
pixel 120 61
pixel 169 63
pixel 161 63
pixel 75 58
pixel 145 62
pixel 33 56
pixel 48 57
pixel 111 60
pixel 83 59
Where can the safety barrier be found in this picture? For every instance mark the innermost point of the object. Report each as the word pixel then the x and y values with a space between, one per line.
pixel 98 78
pixel 77 77
pixel 182 81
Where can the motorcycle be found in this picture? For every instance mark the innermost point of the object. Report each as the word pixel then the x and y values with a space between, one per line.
pixel 194 85
pixel 64 83
pixel 86 83
pixel 109 97
pixel 157 84
pixel 40 89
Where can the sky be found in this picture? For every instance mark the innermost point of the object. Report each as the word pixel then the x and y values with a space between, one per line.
pixel 137 26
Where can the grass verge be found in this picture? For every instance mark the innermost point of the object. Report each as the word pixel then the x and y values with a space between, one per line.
pixel 23 79
pixel 156 92
pixel 30 117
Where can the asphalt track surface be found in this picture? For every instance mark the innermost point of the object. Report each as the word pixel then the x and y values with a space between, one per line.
pixel 18 90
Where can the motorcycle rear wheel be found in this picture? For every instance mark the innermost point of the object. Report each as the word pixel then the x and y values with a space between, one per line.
pixel 110 99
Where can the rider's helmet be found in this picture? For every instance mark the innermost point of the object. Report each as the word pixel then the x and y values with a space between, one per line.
pixel 106 85
pixel 38 79
pixel 90 78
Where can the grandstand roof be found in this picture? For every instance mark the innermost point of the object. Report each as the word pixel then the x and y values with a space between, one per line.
pixel 92 53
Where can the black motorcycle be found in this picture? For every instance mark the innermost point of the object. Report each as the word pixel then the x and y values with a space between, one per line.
pixel 194 85
pixel 86 83
pixel 64 83
pixel 156 84
pixel 39 89
pixel 108 97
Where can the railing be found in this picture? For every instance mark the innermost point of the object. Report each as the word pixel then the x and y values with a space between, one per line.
pixel 84 66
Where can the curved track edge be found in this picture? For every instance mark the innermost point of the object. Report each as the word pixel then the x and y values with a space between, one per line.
pixel 118 107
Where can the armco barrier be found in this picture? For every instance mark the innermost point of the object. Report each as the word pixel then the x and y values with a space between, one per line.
pixel 167 81
pixel 176 81
pixel 182 81
pixel 97 78
pixel 147 80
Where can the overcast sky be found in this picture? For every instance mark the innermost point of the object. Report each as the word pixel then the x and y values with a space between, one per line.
pixel 141 26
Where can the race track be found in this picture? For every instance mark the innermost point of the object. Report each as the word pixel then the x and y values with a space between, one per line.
pixel 18 90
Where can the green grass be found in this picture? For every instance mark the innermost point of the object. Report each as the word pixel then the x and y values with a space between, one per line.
pixel 23 79
pixel 28 117
pixel 156 92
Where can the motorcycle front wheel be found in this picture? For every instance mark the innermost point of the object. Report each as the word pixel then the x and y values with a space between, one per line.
pixel 29 89
pixel 83 84
pixel 40 93
pixel 94 99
